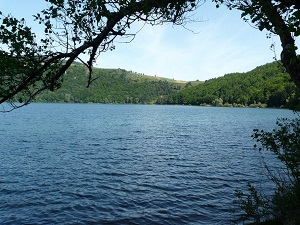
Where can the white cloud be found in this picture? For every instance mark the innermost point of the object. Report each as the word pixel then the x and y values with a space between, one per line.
pixel 225 44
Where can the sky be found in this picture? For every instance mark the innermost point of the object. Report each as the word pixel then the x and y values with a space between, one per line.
pixel 219 44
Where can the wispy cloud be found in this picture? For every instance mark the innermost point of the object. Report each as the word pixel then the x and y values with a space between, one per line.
pixel 224 44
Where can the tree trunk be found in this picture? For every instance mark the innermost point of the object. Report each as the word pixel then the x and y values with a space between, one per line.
pixel 289 57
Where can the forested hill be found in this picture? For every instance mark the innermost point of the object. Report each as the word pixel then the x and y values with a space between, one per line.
pixel 265 86
pixel 111 86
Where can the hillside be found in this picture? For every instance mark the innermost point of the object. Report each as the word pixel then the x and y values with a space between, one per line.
pixel 265 86
pixel 111 86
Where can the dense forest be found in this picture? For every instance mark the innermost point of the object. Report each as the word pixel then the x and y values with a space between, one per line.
pixel 265 86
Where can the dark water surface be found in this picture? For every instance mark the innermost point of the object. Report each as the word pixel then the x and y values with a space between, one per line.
pixel 127 164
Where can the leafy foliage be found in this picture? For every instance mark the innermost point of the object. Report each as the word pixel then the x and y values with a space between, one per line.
pixel 284 205
pixel 255 207
pixel 258 13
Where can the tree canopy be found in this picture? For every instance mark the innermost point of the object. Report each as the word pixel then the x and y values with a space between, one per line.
pixel 72 28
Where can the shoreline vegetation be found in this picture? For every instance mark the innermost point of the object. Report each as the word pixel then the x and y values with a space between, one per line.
pixel 266 86
pixel 202 105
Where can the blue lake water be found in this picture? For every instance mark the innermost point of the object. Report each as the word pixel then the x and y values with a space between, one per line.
pixel 127 164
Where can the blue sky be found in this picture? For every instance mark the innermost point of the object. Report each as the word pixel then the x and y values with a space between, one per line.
pixel 221 44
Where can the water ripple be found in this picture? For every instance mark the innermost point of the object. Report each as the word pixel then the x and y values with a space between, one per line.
pixel 113 164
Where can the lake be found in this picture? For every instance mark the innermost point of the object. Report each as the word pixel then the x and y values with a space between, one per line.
pixel 128 164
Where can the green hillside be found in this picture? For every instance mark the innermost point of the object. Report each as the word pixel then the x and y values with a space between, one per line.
pixel 265 86
pixel 111 86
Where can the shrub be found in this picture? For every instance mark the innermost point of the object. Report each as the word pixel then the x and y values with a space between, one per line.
pixel 283 207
